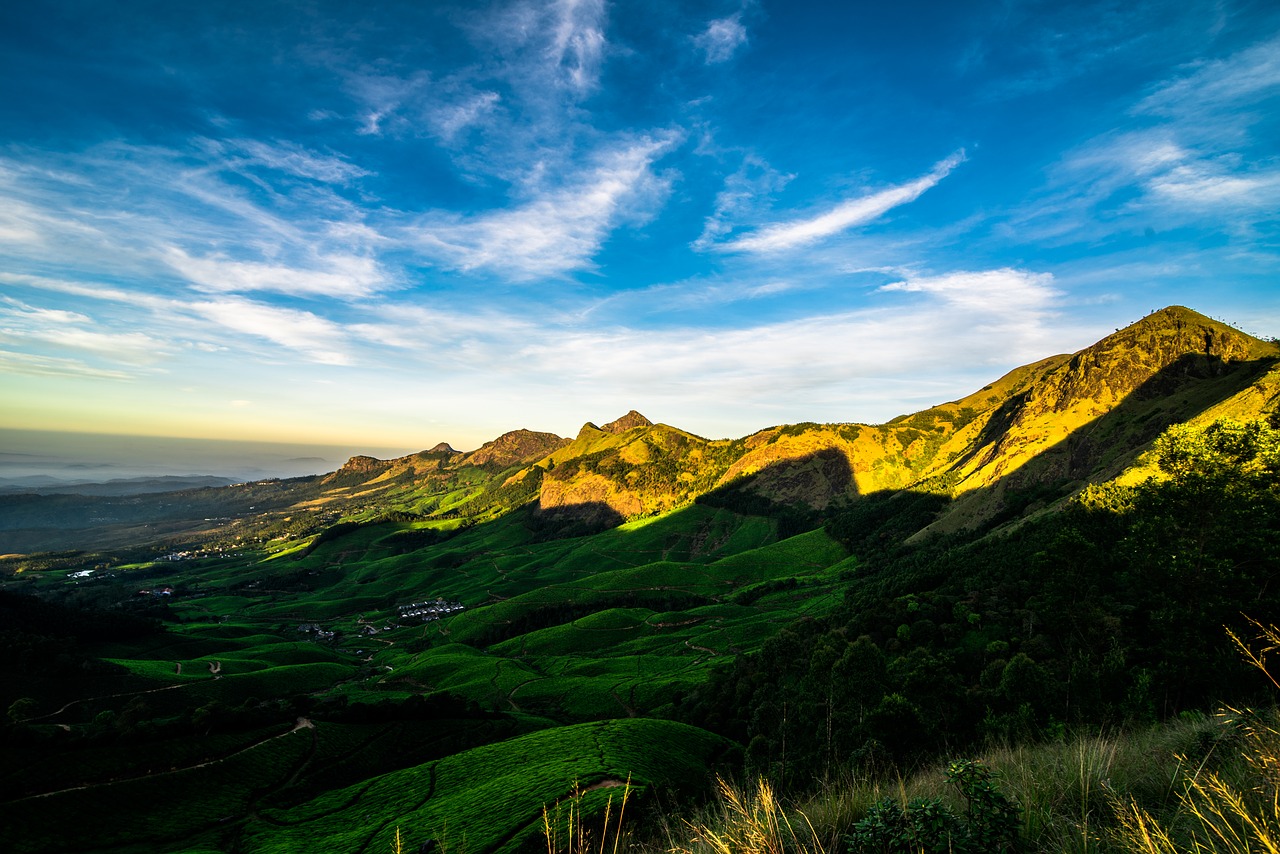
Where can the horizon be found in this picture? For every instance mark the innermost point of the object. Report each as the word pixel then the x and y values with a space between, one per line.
pixel 99 457
pixel 406 224
pixel 60 454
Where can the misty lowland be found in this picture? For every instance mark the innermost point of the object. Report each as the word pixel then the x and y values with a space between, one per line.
pixel 1037 618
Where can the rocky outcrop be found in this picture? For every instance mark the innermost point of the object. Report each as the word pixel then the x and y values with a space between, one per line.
pixel 518 446
pixel 630 420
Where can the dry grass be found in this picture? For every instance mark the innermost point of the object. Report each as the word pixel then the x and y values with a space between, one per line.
pixel 1231 810
pixel 567 830
pixel 749 821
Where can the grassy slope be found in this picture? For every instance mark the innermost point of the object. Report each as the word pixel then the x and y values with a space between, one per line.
pixel 621 623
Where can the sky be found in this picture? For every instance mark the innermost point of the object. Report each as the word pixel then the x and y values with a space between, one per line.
pixel 388 225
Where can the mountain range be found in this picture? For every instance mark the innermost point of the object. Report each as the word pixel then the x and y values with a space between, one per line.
pixel 1022 444
pixel 1049 427
pixel 447 643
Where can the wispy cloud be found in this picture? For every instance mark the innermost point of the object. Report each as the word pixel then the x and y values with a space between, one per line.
pixel 721 39
pixel 150 213
pixel 1215 184
pixel 451 119
pixel 46 328
pixel 342 276
pixel 561 228
pixel 27 364
pixel 979 319
pixel 1216 85
pixel 1190 155
pixel 317 338
pixel 998 293
pixel 300 162
pixel 577 43
pixel 744 195
pixel 176 323
pixel 384 98
pixel 785 236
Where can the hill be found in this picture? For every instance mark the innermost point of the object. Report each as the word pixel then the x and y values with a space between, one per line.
pixel 408 640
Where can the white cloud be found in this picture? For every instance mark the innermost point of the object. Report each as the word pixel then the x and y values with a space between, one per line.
pixel 317 338
pixel 1207 185
pixel 721 39
pixel 577 42
pixel 1002 292
pixel 545 49
pixel 27 364
pixel 744 194
pixel 384 97
pixel 452 119
pixel 784 236
pixel 562 228
pixel 1218 85
pixel 58 329
pixel 343 276
pixel 184 325
pixel 298 161
pixel 1190 156
pixel 850 365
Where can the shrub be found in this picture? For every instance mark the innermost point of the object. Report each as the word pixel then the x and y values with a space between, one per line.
pixel 928 826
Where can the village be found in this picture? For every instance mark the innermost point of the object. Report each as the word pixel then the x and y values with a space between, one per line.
pixel 426 611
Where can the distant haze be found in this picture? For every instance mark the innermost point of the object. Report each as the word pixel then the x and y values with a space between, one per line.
pixel 89 457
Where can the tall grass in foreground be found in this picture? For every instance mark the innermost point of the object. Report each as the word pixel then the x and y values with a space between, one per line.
pixel 567 830
pixel 1195 785
pixel 748 822
pixel 1235 810
pixel 1068 795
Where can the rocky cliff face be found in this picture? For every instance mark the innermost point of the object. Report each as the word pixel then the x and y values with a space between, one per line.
pixel 518 446
pixel 1048 427
pixel 627 422
pixel 1087 417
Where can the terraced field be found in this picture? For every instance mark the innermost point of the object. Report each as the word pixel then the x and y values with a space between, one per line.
pixel 285 700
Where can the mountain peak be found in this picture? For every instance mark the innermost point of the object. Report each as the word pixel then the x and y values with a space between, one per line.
pixel 515 447
pixel 630 420
pixel 1177 332
pixel 443 448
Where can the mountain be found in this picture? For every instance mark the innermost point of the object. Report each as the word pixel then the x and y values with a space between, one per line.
pixel 1046 428
pixel 1018 446
pixel 445 643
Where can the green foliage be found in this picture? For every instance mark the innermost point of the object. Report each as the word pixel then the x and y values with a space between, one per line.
pixel 1094 616
pixel 929 826
pixel 853 648
pixel 923 826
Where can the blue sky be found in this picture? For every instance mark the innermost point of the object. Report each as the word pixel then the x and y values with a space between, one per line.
pixel 395 224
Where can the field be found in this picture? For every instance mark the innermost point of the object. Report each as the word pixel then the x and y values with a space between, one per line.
pixel 289 698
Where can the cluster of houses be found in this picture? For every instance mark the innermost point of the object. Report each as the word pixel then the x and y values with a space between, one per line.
pixel 316 630
pixel 432 609
pixel 158 593
pixel 208 551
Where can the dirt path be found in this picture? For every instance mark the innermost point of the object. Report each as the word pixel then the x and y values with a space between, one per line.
pixel 103 697
pixel 303 723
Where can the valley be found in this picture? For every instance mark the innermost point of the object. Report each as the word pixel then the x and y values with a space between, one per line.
pixel 445 643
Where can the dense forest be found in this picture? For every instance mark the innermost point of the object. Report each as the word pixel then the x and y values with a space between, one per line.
pixel 1004 622
pixel 1108 613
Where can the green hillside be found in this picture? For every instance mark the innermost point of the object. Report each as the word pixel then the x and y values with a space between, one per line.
pixel 447 642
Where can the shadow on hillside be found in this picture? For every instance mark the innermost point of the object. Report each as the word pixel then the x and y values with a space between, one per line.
pixel 1095 451
pixel 794 491
pixel 570 520
pixel 803 493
